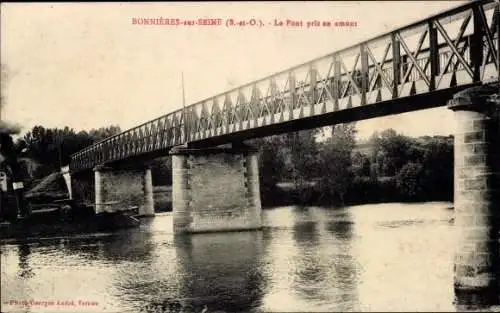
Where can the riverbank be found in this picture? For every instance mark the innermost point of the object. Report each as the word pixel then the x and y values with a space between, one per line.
pixel 362 191
pixel 50 219
pixel 58 222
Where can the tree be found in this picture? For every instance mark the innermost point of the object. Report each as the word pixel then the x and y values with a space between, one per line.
pixel 409 179
pixel 303 160
pixel 336 162
pixel 161 171
pixel 361 164
pixel 271 163
pixel 345 134
pixel 104 132
pixel 437 162
pixel 392 151
pixel 53 147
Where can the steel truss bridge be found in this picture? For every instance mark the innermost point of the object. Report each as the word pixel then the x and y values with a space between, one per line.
pixel 415 67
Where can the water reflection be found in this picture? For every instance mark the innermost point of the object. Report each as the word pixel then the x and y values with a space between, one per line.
pixel 310 273
pixel 311 259
pixel 131 253
pixel 312 264
pixel 133 245
pixel 25 270
pixel 341 229
pixel 222 271
pixel 305 233
pixel 346 267
pixel 88 248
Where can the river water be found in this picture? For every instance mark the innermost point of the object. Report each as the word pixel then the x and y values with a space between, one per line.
pixel 382 257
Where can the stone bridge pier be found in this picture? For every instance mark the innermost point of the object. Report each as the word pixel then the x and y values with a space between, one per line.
pixel 113 189
pixel 215 189
pixel 477 194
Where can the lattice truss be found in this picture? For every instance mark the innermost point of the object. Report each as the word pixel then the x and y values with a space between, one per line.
pixel 458 47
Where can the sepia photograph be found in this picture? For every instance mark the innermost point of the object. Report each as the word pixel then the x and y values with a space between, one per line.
pixel 248 157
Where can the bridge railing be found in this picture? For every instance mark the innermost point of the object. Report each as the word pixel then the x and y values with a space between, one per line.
pixel 450 49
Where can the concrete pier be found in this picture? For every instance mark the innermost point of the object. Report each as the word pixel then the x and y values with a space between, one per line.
pixel 215 189
pixel 122 189
pixel 477 193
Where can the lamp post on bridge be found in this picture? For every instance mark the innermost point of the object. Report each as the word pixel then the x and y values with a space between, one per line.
pixel 184 111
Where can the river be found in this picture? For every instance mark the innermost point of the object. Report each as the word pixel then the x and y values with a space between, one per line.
pixel 377 257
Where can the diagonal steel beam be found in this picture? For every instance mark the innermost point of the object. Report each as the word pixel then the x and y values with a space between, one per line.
pixel 414 54
pixel 379 69
pixel 412 58
pixel 453 48
pixel 349 76
pixel 324 81
pixel 376 74
pixel 489 37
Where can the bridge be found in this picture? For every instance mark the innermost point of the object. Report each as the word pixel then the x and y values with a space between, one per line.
pixel 412 68
pixel 451 58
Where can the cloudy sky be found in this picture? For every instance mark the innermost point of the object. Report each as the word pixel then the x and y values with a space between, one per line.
pixel 85 65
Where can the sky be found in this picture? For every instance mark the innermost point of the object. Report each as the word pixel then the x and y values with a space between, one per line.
pixel 86 65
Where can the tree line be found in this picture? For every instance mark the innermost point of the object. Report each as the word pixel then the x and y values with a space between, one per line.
pixel 51 148
pixel 336 171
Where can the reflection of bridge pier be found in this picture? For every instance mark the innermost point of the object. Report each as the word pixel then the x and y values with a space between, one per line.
pixel 221 270
pixel 327 260
pixel 25 270
pixel 313 266
pixel 346 270
pixel 130 245
pixel 477 195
